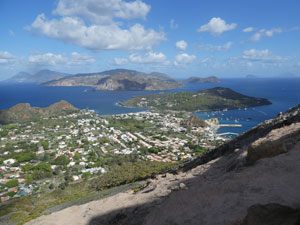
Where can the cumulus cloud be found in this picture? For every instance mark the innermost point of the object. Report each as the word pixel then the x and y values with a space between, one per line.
pixel 265 56
pixel 47 59
pixel 120 61
pixel 181 45
pixel 248 29
pixel 7 58
pixel 50 59
pixel 91 24
pixel 80 59
pixel 173 25
pixel 216 26
pixel 224 47
pixel 150 57
pixel 184 59
pixel 102 11
pixel 265 33
pixel 147 58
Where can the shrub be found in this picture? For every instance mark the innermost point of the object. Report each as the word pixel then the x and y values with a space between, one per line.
pixel 12 183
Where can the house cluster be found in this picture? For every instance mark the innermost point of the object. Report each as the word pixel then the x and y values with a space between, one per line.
pixel 83 138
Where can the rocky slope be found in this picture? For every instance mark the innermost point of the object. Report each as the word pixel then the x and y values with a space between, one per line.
pixel 219 188
pixel 24 112
pixel 119 79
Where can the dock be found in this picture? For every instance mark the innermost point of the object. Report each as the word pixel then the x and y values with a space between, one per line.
pixel 228 133
pixel 230 125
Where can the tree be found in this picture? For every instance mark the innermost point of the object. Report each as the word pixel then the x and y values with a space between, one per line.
pixel 12 183
pixel 3 133
pixel 29 180
pixel 77 156
pixel 62 160
pixel 41 171
pixel 45 145
pixel 86 175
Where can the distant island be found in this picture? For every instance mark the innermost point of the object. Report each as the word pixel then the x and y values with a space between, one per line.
pixel 23 112
pixel 39 77
pixel 119 80
pixel 110 80
pixel 218 98
pixel 200 80
pixel 251 76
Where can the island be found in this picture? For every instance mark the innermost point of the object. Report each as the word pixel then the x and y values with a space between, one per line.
pixel 218 98
pixel 200 80
pixel 119 80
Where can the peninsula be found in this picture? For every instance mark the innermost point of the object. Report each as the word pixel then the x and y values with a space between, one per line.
pixel 218 98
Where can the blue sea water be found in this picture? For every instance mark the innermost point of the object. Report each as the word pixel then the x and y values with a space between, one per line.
pixel 283 93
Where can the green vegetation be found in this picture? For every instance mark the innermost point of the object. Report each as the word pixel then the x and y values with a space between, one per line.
pixel 131 125
pixel 12 183
pixel 207 100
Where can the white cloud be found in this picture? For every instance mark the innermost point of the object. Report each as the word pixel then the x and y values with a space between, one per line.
pixel 181 45
pixel 184 59
pixel 80 59
pixel 6 58
pixel 265 33
pixel 120 61
pixel 102 11
pixel 91 24
pixel 173 25
pixel 47 59
pixel 224 47
pixel 248 29
pixel 11 33
pixel 217 26
pixel 50 59
pixel 150 57
pixel 265 56
pixel 206 60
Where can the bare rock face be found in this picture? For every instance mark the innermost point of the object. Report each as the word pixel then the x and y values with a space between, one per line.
pixel 194 121
pixel 278 141
pixel 272 214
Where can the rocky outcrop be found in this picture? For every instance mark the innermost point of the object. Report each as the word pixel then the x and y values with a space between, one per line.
pixel 272 214
pixel 194 121
pixel 278 141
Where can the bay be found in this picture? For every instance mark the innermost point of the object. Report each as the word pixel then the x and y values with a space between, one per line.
pixel 282 92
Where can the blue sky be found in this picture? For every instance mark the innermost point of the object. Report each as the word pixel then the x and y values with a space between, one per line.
pixel 230 38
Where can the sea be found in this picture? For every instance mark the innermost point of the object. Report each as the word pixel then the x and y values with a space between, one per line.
pixel 284 93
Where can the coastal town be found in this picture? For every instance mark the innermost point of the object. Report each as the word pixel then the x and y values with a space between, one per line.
pixel 55 151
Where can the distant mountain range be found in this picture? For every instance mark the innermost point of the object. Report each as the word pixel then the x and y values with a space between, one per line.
pixel 112 80
pixel 211 79
pixel 38 78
